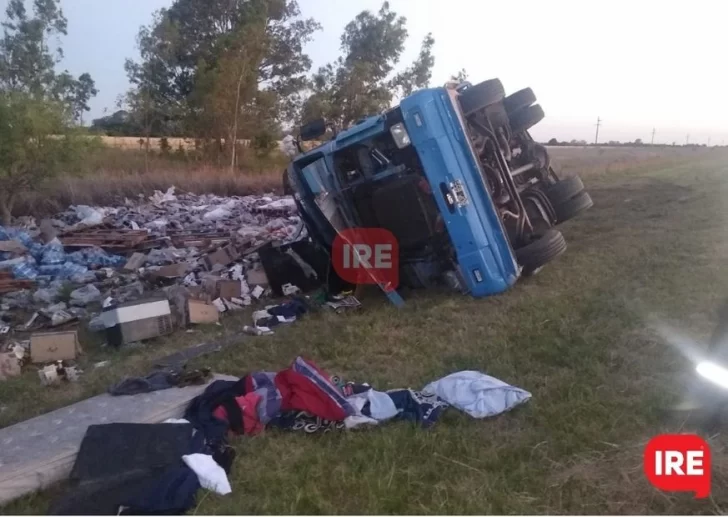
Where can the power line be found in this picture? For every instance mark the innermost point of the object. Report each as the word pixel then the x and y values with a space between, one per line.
pixel 596 138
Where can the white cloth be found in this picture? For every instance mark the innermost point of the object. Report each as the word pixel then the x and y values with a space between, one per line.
pixel 176 421
pixel 477 394
pixel 350 422
pixel 211 475
pixel 381 406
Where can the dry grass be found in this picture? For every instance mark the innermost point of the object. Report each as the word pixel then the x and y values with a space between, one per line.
pixel 116 173
pixel 133 142
pixel 113 174
pixel 591 160
pixel 110 188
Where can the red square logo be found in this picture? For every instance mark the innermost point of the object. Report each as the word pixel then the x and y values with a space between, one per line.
pixel 367 256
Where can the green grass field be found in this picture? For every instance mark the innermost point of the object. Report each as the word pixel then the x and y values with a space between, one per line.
pixel 576 335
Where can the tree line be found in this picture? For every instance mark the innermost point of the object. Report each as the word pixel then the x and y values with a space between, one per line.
pixel 213 70
pixel 222 70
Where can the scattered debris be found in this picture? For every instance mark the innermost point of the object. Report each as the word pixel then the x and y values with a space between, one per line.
pixel 342 304
pixel 9 365
pixel 105 265
pixel 55 373
pixel 289 289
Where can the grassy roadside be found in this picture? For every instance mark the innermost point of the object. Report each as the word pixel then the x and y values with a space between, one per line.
pixel 575 336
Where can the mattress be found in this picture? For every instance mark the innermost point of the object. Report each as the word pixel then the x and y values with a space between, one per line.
pixel 41 451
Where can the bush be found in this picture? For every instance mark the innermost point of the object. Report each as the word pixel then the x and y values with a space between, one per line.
pixel 263 143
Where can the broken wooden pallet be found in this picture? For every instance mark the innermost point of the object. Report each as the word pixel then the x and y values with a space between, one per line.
pixel 199 239
pixel 9 285
pixel 120 241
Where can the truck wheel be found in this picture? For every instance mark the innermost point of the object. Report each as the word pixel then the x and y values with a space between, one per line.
pixel 525 118
pixel 541 251
pixel 519 100
pixel 287 189
pixel 563 190
pixel 481 95
pixel 574 206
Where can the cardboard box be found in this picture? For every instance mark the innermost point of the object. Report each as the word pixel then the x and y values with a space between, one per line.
pixel 201 312
pixel 136 261
pixel 227 289
pixel 198 293
pixel 54 346
pixel 256 277
pixel 224 256
pixel 172 271
pixel 137 320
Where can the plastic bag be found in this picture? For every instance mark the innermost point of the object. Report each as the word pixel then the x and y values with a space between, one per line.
pixel 95 257
pixel 85 295
pixel 89 216
pixel 82 278
pixel 25 270
pixel 159 198
pixel 48 295
pixel 53 253
pixel 217 214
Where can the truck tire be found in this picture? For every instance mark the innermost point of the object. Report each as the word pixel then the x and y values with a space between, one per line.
pixel 563 190
pixel 525 118
pixel 287 189
pixel 574 206
pixel 541 251
pixel 481 95
pixel 519 100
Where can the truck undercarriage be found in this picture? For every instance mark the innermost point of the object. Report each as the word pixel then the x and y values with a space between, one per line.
pixel 381 182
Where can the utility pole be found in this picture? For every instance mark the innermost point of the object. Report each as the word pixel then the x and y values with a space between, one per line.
pixel 596 138
pixel 687 139
pixel 708 141
pixel 653 137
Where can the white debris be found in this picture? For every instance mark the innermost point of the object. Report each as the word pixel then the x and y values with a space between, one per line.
pixel 217 214
pixel 158 198
pixel 289 289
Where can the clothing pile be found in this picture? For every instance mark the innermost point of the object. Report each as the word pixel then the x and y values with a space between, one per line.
pixel 163 465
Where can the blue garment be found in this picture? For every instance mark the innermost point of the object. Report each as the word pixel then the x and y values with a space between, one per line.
pixel 423 408
pixel 199 411
pixel 172 493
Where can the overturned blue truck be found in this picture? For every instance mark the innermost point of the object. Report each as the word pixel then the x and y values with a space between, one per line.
pixel 454 174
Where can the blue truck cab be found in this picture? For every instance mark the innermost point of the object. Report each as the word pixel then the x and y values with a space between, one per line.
pixel 453 173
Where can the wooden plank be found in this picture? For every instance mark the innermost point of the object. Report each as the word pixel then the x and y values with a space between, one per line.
pixel 41 451
pixel 8 285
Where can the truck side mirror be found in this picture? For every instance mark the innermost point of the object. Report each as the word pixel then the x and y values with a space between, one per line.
pixel 313 130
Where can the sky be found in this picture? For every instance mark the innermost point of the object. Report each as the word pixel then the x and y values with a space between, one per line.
pixel 637 65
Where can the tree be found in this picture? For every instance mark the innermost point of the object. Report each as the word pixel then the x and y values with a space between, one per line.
pixel 37 105
pixel 31 149
pixel 187 50
pixel 360 83
pixel 461 76
pixel 638 141
pixel 27 63
pixel 553 141
pixel 117 124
